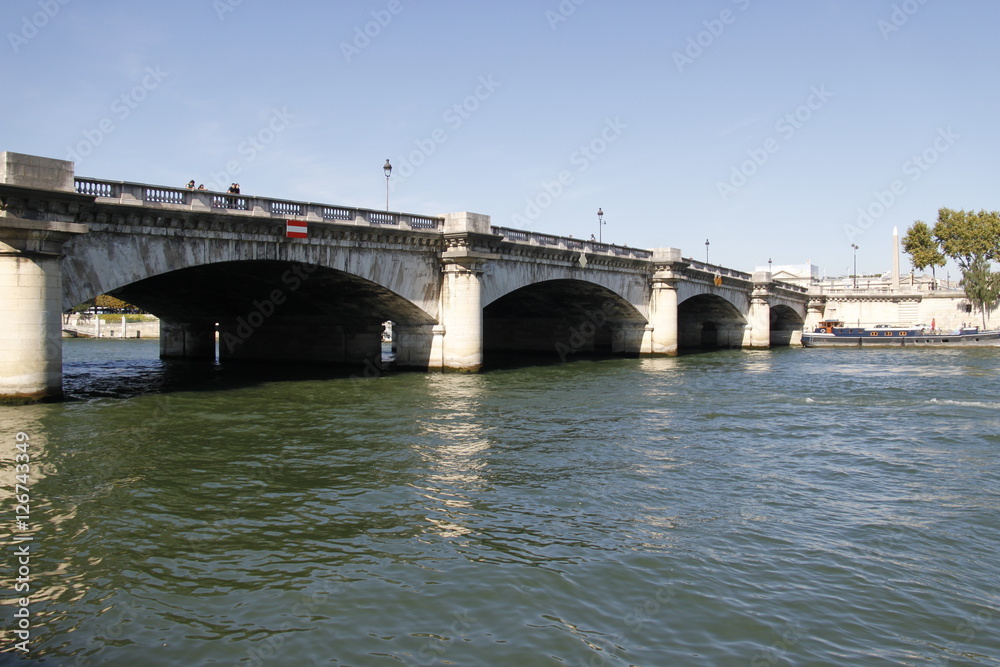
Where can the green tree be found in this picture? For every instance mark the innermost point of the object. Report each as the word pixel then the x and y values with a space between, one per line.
pixel 923 250
pixel 80 307
pixel 108 301
pixel 968 237
pixel 982 287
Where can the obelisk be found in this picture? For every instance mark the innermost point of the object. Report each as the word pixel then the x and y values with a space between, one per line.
pixel 895 259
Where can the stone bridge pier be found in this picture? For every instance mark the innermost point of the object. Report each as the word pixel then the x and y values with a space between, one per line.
pixel 32 235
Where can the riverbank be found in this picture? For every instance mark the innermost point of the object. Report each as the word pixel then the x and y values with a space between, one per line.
pixel 87 325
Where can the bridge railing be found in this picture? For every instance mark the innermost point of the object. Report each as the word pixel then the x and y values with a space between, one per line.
pixel 715 269
pixel 192 199
pixel 568 243
pixel 136 193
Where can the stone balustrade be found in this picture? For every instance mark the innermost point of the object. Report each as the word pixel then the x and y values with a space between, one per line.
pixel 569 243
pixel 141 193
pixel 717 270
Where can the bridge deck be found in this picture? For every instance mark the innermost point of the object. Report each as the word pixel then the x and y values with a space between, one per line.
pixel 208 200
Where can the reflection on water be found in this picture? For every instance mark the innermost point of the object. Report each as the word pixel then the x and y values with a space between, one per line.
pixel 764 507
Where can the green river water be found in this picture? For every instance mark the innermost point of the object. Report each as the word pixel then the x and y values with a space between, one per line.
pixel 782 507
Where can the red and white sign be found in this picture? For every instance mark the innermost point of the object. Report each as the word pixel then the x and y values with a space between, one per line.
pixel 296 229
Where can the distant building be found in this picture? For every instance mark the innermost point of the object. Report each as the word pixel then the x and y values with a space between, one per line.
pixel 803 275
pixel 881 298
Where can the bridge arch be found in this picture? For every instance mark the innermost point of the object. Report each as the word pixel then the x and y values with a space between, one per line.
pixel 562 318
pixel 786 325
pixel 103 262
pixel 229 290
pixel 709 321
pixel 267 297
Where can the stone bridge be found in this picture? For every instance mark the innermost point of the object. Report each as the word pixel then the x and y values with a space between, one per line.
pixel 228 282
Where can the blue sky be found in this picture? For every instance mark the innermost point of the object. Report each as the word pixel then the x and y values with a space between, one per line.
pixel 767 128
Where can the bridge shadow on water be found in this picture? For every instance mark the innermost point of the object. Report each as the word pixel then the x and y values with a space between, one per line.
pixel 128 368
pixel 131 368
pixel 503 361
pixel 496 361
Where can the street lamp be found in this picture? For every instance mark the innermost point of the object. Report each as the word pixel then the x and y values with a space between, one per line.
pixel 600 225
pixel 769 265
pixel 706 251
pixel 387 168
pixel 855 265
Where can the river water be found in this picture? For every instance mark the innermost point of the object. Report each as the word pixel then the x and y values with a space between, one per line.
pixel 783 507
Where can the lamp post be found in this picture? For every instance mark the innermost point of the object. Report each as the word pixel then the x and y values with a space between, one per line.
pixel 387 168
pixel 853 245
pixel 600 225
pixel 706 251
pixel 769 265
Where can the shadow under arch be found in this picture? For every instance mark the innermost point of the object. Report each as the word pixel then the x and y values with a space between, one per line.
pixel 555 321
pixel 709 322
pixel 272 310
pixel 786 326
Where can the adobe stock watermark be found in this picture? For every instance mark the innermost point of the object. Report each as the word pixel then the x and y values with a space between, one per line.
pixel 586 330
pixel 914 168
pixel 581 159
pixel 787 126
pixel 635 619
pixel 268 649
pixel 24 621
pixel 223 7
pixel 363 35
pixel 454 117
pixel 699 43
pixel 899 17
pixel 436 646
pixel 565 9
pixel 32 25
pixel 968 628
pixel 774 654
pixel 262 310
pixel 251 147
pixel 121 109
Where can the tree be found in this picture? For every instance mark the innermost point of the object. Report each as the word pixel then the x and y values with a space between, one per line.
pixel 110 302
pixel 923 250
pixel 982 287
pixel 968 237
pixel 82 307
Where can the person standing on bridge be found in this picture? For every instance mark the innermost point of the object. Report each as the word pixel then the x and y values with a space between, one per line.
pixel 191 184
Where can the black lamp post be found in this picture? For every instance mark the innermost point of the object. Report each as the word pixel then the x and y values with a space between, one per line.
pixel 706 251
pixel 769 265
pixel 387 168
pixel 600 225
pixel 855 265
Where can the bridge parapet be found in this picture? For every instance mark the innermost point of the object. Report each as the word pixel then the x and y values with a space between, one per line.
pixel 569 243
pixel 717 270
pixel 142 194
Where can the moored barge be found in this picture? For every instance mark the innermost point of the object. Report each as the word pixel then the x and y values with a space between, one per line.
pixel 833 333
